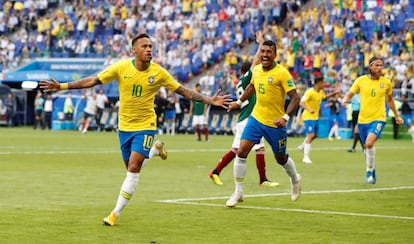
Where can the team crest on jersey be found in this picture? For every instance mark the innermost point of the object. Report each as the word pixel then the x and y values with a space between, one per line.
pixel 151 80
pixel 270 80
pixel 382 85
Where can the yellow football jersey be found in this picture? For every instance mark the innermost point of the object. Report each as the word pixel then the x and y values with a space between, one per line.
pixel 373 97
pixel 271 88
pixel 312 99
pixel 137 90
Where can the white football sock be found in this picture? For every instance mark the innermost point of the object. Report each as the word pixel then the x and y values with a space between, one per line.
pixel 334 131
pixel 411 131
pixel 303 143
pixel 306 149
pixel 290 169
pixel 239 171
pixel 127 190
pixel 153 152
pixel 167 128
pixel 173 128
pixel 370 158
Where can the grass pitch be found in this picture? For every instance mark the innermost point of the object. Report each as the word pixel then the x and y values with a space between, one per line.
pixel 57 186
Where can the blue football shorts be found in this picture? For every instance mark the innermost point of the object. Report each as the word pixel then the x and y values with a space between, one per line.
pixel 137 141
pixel 311 126
pixel 276 137
pixel 374 127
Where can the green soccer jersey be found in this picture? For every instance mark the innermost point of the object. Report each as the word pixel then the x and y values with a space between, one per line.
pixel 198 108
pixel 247 106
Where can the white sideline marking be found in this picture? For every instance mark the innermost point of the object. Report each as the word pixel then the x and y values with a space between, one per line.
pixel 190 201
pixel 65 150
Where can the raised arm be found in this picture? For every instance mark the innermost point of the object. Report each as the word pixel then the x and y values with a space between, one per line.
pixel 53 85
pixel 248 92
pixel 256 58
pixel 216 100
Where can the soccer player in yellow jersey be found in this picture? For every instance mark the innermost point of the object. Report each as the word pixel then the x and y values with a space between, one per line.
pixel 374 90
pixel 311 103
pixel 270 82
pixel 139 80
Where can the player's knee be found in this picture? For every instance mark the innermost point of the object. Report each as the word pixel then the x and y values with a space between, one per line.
pixel 369 145
pixel 281 159
pixel 242 153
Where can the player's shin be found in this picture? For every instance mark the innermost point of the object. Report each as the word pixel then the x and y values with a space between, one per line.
pixel 370 158
pixel 239 170
pixel 290 169
pixel 127 190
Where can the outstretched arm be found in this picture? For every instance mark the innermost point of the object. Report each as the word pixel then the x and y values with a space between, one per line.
pixel 216 100
pixel 248 92
pixel 53 85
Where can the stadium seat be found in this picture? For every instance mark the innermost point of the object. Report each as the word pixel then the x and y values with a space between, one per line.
pixel 196 66
pixel 186 69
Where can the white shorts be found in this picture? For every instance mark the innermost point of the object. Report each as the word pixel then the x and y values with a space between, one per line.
pixel 238 131
pixel 199 120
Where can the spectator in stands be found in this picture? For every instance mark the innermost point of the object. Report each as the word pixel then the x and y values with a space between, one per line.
pixel 187 33
pixel 70 46
pixel 47 112
pixel 186 7
pixel 227 34
pixel 207 80
pixel 82 24
pixel 101 101
pixel 224 83
pixel 38 106
pixel 339 34
pixel 222 14
pixel 232 59
pixel 206 91
pixel 401 72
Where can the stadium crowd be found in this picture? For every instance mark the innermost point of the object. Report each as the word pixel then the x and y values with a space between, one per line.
pixel 335 39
